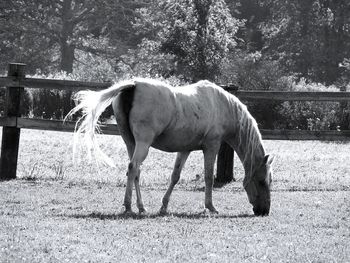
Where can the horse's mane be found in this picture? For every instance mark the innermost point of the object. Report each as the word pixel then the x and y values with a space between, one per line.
pixel 248 138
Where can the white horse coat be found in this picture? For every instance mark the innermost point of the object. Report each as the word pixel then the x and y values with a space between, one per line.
pixel 179 119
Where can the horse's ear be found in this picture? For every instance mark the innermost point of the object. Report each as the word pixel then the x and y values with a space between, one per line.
pixel 268 160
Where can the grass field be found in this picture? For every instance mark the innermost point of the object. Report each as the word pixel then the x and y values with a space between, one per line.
pixel 58 212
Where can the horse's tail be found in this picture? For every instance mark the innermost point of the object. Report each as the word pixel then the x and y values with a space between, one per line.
pixel 92 104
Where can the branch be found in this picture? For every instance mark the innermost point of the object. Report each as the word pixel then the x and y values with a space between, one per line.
pixel 43 26
pixel 83 14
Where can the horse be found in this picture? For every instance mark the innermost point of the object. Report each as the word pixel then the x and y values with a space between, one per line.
pixel 199 116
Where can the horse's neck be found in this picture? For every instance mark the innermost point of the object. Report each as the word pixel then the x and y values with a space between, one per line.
pixel 246 140
pixel 250 154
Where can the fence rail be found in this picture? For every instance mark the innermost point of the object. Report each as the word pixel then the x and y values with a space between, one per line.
pixel 293 96
pixel 52 125
pixel 13 122
pixel 243 95
pixel 112 129
pixel 52 84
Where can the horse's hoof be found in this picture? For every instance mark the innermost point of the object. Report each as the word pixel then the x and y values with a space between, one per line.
pixel 142 212
pixel 127 212
pixel 163 212
pixel 210 212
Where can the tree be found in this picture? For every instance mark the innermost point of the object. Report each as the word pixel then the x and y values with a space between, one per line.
pixel 47 33
pixel 202 68
pixel 193 37
pixel 254 13
pixel 22 38
pixel 310 38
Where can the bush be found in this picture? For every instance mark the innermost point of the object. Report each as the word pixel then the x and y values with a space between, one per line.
pixel 253 72
pixel 312 115
pixel 46 104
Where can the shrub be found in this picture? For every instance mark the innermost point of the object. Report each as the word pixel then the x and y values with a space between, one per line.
pixel 254 72
pixel 311 115
pixel 46 104
pixel 251 72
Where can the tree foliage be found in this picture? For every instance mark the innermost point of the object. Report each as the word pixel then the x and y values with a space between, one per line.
pixel 193 39
pixel 255 44
pixel 48 33
pixel 309 38
pixel 188 38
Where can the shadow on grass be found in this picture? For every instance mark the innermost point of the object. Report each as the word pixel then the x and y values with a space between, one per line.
pixel 106 216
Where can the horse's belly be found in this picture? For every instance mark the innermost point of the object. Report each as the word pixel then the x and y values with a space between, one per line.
pixel 178 141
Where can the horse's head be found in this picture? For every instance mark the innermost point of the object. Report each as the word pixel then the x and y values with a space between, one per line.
pixel 258 189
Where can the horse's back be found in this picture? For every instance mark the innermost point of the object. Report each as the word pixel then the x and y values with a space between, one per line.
pixel 177 118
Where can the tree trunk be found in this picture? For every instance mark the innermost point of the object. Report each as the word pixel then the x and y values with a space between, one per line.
pixel 304 61
pixel 67 57
pixel 224 174
pixel 67 47
pixel 201 70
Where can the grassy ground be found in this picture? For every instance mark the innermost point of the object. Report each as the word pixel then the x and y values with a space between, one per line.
pixel 56 212
pixel 301 165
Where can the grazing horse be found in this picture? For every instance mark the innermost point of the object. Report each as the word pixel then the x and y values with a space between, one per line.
pixel 178 119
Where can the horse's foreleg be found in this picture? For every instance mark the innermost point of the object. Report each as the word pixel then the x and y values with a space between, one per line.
pixel 140 154
pixel 209 160
pixel 139 201
pixel 175 176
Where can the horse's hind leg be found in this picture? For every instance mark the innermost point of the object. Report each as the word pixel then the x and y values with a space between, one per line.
pixel 122 106
pixel 130 145
pixel 175 176
pixel 131 148
pixel 139 155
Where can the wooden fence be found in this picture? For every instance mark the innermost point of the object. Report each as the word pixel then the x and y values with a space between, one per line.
pixel 12 122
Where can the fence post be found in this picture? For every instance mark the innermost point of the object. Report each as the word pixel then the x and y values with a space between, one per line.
pixel 10 135
pixel 345 114
pixel 224 170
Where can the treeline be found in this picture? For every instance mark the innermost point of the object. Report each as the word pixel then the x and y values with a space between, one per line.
pixel 255 44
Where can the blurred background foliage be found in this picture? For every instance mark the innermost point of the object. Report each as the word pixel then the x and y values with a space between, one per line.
pixel 255 44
